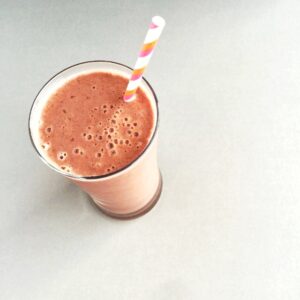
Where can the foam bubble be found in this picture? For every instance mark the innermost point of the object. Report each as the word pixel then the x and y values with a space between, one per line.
pixel 49 129
pixel 134 124
pixel 62 155
pixel 76 151
pixel 89 137
pixel 46 146
pixel 136 134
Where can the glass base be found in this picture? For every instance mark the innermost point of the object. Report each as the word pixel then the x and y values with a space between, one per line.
pixel 139 212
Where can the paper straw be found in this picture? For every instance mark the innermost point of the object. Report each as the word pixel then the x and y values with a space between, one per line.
pixel 155 29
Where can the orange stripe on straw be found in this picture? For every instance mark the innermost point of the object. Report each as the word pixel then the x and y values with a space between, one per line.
pixel 150 41
pixel 149 46
pixel 137 73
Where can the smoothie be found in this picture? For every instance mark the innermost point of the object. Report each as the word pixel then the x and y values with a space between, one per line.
pixel 87 129
pixel 81 128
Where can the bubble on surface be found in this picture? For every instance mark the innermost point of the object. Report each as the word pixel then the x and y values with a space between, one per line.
pixel 76 151
pixel 127 142
pixel 136 134
pixel 66 168
pixel 116 141
pixel 121 142
pixel 72 139
pixel 113 121
pixel 111 129
pixel 46 146
pixel 129 131
pixel 64 111
pixel 109 136
pixel 62 155
pixel 49 129
pixel 113 152
pixel 100 137
pixel 98 154
pixel 128 125
pixel 110 145
pixel 93 87
pixel 89 137
pixel 134 124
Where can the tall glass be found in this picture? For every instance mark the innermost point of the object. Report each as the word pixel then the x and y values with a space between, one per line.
pixel 128 192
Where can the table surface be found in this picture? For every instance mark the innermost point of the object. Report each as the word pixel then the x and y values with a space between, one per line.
pixel 227 225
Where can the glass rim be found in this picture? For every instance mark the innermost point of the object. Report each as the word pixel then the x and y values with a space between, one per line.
pixel 72 176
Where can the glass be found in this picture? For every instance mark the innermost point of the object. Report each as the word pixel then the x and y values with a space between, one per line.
pixel 128 192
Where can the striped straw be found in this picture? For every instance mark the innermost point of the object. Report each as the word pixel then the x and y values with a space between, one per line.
pixel 155 29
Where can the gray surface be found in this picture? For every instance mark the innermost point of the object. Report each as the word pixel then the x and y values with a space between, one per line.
pixel 228 223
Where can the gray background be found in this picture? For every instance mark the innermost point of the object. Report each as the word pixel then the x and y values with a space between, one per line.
pixel 228 223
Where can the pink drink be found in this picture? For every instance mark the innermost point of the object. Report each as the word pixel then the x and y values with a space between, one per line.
pixel 82 128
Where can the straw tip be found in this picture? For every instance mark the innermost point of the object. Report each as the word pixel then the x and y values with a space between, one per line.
pixel 159 21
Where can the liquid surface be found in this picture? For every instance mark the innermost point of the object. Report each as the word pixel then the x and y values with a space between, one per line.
pixel 88 130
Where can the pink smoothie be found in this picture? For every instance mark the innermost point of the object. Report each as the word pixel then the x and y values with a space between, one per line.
pixel 87 129
pixel 81 128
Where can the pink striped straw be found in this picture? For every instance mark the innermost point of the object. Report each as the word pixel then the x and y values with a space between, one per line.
pixel 155 29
